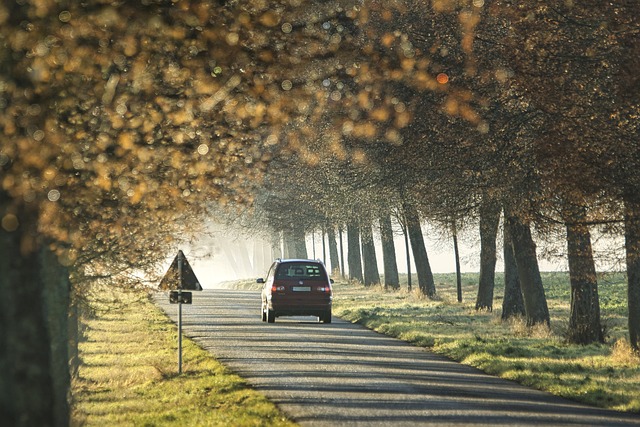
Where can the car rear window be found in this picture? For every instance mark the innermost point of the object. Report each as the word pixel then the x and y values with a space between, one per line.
pixel 300 271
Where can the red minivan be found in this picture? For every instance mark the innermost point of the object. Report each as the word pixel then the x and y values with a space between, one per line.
pixel 296 287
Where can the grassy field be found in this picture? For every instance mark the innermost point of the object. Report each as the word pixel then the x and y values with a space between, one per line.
pixel 129 375
pixel 605 375
pixel 129 372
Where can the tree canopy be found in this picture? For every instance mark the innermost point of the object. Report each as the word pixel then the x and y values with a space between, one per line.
pixel 123 123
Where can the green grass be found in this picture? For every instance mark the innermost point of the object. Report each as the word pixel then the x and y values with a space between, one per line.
pixel 605 375
pixel 129 371
pixel 129 375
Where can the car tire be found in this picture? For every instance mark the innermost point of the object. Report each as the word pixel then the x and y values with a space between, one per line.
pixel 263 313
pixel 271 316
pixel 326 317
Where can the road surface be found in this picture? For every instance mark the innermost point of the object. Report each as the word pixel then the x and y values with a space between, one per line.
pixel 341 374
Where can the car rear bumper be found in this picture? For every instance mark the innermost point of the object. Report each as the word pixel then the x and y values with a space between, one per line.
pixel 300 310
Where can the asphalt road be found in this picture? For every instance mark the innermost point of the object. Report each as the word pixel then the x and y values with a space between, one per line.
pixel 341 374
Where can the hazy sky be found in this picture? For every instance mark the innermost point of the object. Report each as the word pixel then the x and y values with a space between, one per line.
pixel 228 255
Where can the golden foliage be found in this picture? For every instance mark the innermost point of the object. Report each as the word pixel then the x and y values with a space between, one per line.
pixel 97 97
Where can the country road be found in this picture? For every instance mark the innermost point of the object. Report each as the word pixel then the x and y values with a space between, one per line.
pixel 341 374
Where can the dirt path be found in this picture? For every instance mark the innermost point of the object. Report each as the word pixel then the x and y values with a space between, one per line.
pixel 341 374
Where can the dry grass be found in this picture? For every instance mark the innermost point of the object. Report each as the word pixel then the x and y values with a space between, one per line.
pixel 129 375
pixel 623 354
pixel 606 375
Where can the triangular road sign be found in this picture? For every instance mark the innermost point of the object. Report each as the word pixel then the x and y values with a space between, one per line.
pixel 172 279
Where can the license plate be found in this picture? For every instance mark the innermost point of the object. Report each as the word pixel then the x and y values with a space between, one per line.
pixel 301 288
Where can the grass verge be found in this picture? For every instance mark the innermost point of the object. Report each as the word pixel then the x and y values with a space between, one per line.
pixel 605 375
pixel 129 375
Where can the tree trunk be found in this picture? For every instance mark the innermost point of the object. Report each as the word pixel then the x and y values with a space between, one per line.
pixel 276 247
pixel 632 246
pixel 300 243
pixel 333 251
pixel 391 277
pixel 26 389
pixel 313 245
pixel 354 258
pixel 287 244
pixel 489 220
pixel 423 269
pixel 371 273
pixel 456 254
pixel 74 336
pixel 57 288
pixel 408 252
pixel 513 302
pixel 295 243
pixel 342 272
pixel 524 248
pixel 584 320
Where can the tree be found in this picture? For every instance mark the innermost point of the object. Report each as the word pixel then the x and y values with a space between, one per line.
pixel 369 259
pixel 456 254
pixel 512 302
pixel 119 120
pixel 333 250
pixel 295 243
pixel 574 61
pixel 489 221
pixel 391 278
pixel 354 258
pixel 524 249
pixel 420 257
pixel 405 232
pixel 632 245
pixel 122 120
pixel 25 357
pixel 584 319
pixel 57 298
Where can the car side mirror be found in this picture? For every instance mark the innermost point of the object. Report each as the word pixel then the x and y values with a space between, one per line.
pixel 331 281
pixel 260 280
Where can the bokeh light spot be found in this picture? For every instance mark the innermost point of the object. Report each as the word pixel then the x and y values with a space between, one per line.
pixel 232 39
pixel 442 78
pixel 38 135
pixel 53 195
pixel 64 16
pixel 10 222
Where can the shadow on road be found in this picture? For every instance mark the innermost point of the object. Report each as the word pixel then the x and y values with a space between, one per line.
pixel 343 374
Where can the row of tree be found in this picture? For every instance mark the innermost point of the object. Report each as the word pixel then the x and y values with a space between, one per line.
pixel 531 117
pixel 122 123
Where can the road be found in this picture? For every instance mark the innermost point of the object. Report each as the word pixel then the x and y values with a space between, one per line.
pixel 341 374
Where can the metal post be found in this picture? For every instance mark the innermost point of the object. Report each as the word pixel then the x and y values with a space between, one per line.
pixel 180 262
pixel 179 332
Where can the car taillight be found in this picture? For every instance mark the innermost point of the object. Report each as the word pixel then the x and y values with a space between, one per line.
pixel 326 289
pixel 275 288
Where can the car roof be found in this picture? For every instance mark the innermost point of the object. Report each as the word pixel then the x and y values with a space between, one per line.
pixel 283 260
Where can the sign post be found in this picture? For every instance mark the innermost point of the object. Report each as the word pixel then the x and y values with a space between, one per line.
pixel 180 265
pixel 180 338
pixel 178 278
